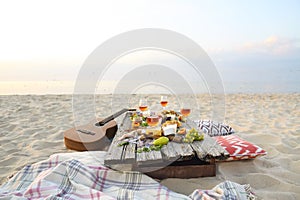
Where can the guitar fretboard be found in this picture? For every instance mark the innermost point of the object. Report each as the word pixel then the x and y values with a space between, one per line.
pixel 107 119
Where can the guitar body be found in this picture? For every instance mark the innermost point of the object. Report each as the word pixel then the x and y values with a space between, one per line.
pixel 95 136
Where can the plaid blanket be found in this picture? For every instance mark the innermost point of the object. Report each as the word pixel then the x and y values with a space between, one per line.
pixel 83 176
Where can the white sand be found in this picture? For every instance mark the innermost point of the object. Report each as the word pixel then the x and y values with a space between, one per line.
pixel 31 129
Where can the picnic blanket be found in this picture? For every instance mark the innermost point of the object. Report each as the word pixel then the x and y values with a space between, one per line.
pixel 82 175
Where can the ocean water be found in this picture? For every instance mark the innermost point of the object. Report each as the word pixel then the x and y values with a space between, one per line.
pixel 249 87
pixel 239 74
pixel 233 86
pixel 271 79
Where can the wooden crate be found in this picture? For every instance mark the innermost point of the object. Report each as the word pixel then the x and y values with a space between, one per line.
pixel 179 169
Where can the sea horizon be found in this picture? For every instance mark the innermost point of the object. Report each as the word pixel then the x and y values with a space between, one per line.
pixel 67 88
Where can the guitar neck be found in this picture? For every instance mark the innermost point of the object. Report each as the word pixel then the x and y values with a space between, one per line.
pixel 112 117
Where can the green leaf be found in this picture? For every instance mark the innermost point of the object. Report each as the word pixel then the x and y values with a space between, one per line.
pixel 139 150
pixel 123 143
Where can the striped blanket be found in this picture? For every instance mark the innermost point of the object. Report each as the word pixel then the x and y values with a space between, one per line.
pixel 83 176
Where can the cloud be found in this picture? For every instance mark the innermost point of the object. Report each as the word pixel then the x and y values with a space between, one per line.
pixel 272 48
pixel 272 45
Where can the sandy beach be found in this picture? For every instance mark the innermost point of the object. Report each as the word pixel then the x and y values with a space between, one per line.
pixel 31 129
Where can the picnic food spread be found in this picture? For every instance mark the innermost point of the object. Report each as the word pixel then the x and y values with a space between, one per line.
pixel 152 132
pixel 163 144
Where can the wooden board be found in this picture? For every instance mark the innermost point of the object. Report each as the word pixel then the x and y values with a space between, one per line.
pixel 169 152
pixel 183 150
pixel 115 153
pixel 208 148
pixel 120 154
pixel 146 158
pixel 129 152
pixel 177 170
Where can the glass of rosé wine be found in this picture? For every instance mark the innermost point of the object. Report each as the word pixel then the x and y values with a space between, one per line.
pixel 143 105
pixel 164 101
pixel 185 110
pixel 153 120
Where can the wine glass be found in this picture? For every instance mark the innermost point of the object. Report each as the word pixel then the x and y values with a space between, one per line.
pixel 143 105
pixel 164 101
pixel 153 120
pixel 185 111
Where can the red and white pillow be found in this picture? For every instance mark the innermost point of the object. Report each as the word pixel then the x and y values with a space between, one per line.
pixel 238 148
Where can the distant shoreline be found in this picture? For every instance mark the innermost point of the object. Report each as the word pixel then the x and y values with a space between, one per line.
pixel 67 88
pixel 150 94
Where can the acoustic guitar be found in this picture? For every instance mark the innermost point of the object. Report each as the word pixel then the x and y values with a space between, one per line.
pixel 97 135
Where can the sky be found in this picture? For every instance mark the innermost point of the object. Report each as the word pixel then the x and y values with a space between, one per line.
pixel 49 41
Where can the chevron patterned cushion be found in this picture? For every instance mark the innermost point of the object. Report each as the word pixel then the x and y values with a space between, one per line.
pixel 238 148
pixel 214 129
